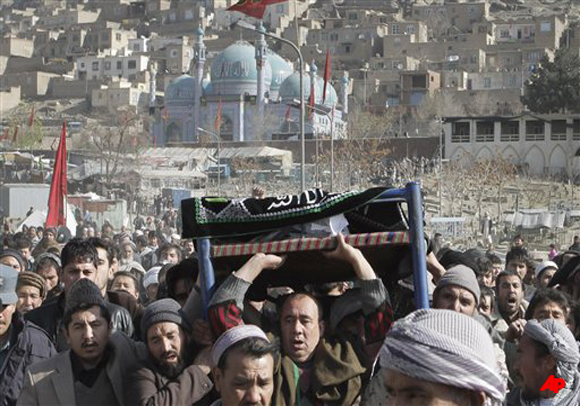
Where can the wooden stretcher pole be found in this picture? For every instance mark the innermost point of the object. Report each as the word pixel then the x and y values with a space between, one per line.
pixel 417 238
pixel 207 277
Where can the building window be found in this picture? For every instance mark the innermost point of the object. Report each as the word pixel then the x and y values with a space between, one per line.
pixel 510 131
pixel 512 80
pixel 534 56
pixel 107 65
pixel 395 29
pixel 105 36
pixel 460 132
pixel 172 17
pixel 347 49
pixel 484 131
pixel 546 26
pixel 174 53
pixel 419 82
pixel 559 128
pixel 82 64
pixel 410 29
pixel 136 47
pixel 535 130
pixel 280 9
pixel 576 130
pixel 118 37
pixel 473 59
pixel 487 83
pixel 132 64
pixel 95 66
pixel 504 33
pixel 352 16
pixel 119 65
pixel 189 15
pixel 324 36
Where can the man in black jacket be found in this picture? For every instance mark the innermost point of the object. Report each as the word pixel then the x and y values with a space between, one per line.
pixel 79 260
pixel 21 342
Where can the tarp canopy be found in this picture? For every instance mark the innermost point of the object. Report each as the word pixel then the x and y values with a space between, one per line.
pixel 529 219
pixel 38 218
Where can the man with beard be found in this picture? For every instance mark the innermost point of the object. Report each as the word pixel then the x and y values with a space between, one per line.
pixel 510 305
pixel 91 372
pixel 547 351
pixel 315 368
pixel 167 376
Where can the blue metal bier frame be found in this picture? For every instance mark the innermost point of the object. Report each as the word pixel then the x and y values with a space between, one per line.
pixel 411 194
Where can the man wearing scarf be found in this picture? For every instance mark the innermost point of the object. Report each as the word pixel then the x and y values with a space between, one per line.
pixel 434 357
pixel 547 350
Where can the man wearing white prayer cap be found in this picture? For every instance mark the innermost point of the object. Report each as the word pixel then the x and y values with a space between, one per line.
pixel 243 360
pixel 547 352
pixel 441 357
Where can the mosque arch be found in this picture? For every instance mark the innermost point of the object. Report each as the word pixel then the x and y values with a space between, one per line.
pixel 226 128
pixel 535 161
pixel 173 133
pixel 461 156
pixel 484 154
pixel 510 154
pixel 558 160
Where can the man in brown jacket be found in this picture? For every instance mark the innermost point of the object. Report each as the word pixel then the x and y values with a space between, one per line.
pixel 316 368
pixel 167 377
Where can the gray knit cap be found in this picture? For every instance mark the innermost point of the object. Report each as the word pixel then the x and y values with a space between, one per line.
pixel 84 291
pixel 462 276
pixel 163 310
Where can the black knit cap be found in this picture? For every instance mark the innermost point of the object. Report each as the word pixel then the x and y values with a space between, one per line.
pixel 160 311
pixel 83 292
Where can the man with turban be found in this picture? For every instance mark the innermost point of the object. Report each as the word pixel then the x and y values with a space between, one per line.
pixel 434 357
pixel 547 350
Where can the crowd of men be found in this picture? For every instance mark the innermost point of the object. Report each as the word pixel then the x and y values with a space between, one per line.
pixel 115 317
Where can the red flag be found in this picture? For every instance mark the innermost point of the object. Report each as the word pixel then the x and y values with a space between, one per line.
pixel 288 114
pixel 31 117
pixel 218 118
pixel 5 135
pixel 58 188
pixel 253 8
pixel 326 75
pixel 15 136
pixel 311 99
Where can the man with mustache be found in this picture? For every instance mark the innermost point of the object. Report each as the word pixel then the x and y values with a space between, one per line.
pixel 510 304
pixel 315 368
pixel 167 377
pixel 91 372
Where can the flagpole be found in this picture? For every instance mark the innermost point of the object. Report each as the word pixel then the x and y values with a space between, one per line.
pixel 250 27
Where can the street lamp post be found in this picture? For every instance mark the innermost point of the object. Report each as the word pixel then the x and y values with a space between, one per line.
pixel 261 30
pixel 218 157
pixel 330 115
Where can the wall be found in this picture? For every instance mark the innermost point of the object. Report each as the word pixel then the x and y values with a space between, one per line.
pixel 9 98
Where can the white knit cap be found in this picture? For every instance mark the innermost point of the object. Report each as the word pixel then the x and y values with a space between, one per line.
pixel 151 276
pixel 543 265
pixel 232 336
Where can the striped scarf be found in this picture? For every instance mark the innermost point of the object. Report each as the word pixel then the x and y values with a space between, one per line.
pixel 445 347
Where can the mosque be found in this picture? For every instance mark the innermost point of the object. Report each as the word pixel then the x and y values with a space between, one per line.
pixel 256 91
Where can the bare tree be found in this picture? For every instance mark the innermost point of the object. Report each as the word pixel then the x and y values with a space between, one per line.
pixel 114 137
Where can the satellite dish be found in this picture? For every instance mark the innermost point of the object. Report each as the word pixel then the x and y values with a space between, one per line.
pixel 452 58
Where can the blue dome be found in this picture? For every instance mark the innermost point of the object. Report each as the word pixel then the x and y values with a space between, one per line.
pixel 234 70
pixel 280 70
pixel 180 91
pixel 290 89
